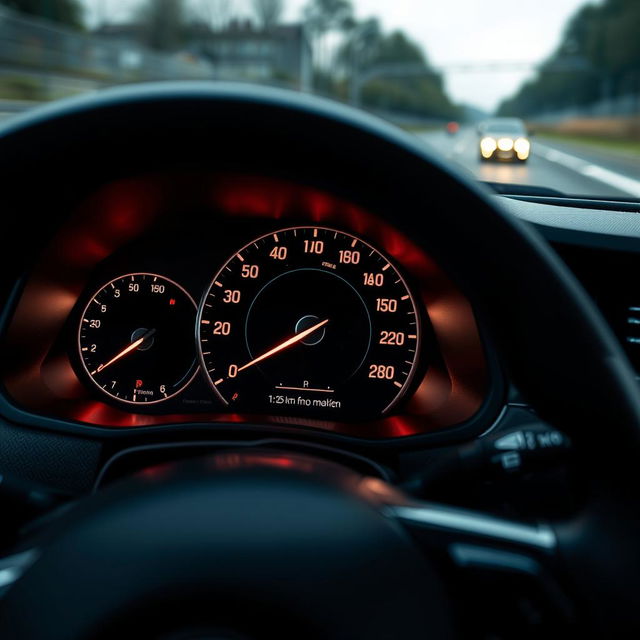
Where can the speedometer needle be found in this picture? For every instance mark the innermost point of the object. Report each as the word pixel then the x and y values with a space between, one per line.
pixel 284 345
pixel 134 345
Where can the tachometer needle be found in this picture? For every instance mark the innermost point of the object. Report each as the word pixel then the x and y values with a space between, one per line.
pixel 128 349
pixel 284 345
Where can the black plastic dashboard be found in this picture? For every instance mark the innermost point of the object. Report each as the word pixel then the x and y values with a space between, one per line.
pixel 602 248
pixel 185 226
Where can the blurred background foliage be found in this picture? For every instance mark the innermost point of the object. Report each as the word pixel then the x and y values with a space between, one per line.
pixel 597 59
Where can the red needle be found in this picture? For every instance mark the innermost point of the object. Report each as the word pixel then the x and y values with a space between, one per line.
pixel 125 351
pixel 283 345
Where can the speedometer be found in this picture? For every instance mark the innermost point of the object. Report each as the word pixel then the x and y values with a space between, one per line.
pixel 309 321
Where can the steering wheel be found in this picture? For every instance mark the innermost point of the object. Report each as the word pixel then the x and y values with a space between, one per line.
pixel 275 544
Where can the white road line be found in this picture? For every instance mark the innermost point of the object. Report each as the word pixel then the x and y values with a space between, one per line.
pixel 613 179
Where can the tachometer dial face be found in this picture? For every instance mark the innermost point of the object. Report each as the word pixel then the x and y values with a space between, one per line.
pixel 309 321
pixel 136 338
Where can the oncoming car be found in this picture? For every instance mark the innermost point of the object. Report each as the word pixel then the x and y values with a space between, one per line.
pixel 504 139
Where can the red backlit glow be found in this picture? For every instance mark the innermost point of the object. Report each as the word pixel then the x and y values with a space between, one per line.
pixel 42 379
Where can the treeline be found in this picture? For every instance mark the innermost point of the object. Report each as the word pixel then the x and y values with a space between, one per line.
pixel 394 72
pixel 371 67
pixel 598 58
pixel 169 20
pixel 65 12
pixel 354 60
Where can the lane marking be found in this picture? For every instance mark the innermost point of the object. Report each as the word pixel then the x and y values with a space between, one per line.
pixel 594 171
pixel 615 179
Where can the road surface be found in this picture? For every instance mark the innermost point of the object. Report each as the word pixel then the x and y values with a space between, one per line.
pixel 572 170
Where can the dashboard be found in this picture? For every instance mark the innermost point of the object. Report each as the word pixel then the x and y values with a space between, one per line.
pixel 599 241
pixel 216 284
pixel 209 298
pixel 176 298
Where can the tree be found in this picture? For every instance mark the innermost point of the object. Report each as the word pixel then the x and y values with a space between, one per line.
pixel 164 21
pixel 268 12
pixel 371 57
pixel 598 57
pixel 322 17
pixel 67 12
pixel 216 14
pixel 361 45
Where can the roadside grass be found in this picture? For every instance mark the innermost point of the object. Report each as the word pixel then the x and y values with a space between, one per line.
pixel 614 145
pixel 20 88
pixel 419 128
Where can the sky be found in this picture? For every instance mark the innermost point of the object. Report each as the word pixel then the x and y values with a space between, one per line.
pixel 454 32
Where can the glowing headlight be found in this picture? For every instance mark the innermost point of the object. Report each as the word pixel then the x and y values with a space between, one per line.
pixel 505 144
pixel 522 147
pixel 487 146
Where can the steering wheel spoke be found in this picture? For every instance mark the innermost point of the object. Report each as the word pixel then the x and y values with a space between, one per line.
pixel 430 522
pixel 505 573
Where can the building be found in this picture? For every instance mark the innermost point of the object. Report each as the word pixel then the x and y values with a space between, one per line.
pixel 280 55
pixel 241 51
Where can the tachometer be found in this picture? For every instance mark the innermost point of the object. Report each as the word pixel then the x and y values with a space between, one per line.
pixel 136 338
pixel 309 320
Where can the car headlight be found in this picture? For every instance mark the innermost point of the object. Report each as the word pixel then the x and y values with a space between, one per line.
pixel 522 147
pixel 505 144
pixel 487 146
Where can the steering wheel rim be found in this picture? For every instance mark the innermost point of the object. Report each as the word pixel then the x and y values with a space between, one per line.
pixel 568 345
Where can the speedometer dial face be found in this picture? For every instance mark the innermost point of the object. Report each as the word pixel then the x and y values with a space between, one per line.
pixel 309 321
pixel 135 338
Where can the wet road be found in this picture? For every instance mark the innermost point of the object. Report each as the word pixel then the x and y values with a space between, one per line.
pixel 570 169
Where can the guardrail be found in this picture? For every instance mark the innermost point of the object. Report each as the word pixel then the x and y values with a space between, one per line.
pixel 33 44
pixel 16 106
pixel 626 105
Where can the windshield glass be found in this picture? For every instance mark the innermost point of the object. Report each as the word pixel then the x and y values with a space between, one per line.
pixel 568 69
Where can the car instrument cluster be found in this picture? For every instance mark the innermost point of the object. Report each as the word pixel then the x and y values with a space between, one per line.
pixel 260 300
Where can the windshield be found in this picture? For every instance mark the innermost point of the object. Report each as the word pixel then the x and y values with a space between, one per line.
pixel 569 70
